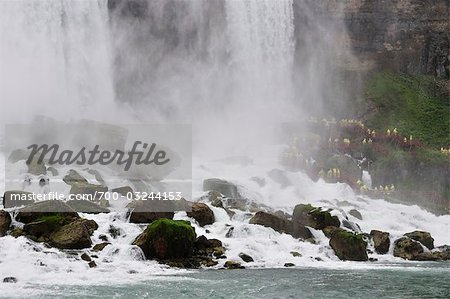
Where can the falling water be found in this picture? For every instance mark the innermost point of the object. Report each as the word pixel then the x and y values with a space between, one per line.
pixel 55 58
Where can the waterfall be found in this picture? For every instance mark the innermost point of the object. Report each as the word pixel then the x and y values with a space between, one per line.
pixel 261 46
pixel 55 58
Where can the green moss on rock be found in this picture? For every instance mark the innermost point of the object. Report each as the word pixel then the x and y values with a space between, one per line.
pixel 167 239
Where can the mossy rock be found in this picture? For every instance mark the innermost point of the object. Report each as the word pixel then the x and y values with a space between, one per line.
pixel 423 237
pixel 44 226
pixel 307 215
pixel 407 248
pixel 53 208
pixel 167 239
pixel 348 246
pixel 75 235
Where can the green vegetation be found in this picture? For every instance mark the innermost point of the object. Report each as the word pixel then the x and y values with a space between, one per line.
pixel 410 104
pixel 171 228
pixel 56 219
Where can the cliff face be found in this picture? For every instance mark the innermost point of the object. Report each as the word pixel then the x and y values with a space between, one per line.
pixel 409 36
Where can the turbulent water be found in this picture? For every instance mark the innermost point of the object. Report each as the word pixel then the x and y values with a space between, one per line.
pixel 57 59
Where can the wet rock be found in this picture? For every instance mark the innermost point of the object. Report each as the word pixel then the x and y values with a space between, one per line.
pixel 423 237
pixel 407 248
pixel 223 187
pixel 104 238
pixel 114 231
pixel 53 171
pixel 355 213
pixel 329 230
pixel 5 222
pixel 202 214
pixel 307 215
pixel 44 226
pixel 86 257
pixel 279 224
pixel 33 212
pixel 92 264
pixel 289 265
pixel 148 217
pixel 35 166
pixel 348 246
pixel 351 225
pixel 246 258
pixel 73 177
pixel 87 189
pixel 84 206
pixel 91 225
pixel 205 246
pixel 16 198
pixel 167 239
pixel 100 246
pixel 16 232
pixel 215 198
pixel 74 235
pixel 229 233
pixel 295 254
pixel 381 241
pixel 372 259
pixel 9 279
pixel 219 252
pixel 233 265
pixel 126 191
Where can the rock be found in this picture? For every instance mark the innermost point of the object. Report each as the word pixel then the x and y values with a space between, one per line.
pixel 233 265
pixel 204 246
pixel 192 262
pixel 44 226
pixel 329 230
pixel 348 246
pixel 16 232
pixel 103 237
pixel 126 191
pixel 307 215
pixel 9 279
pixel 53 171
pixel 215 198
pixel 5 222
pixel 246 258
pixel 84 206
pixel 114 231
pixel 74 235
pixel 92 264
pixel 86 257
pixel 91 225
pixel 148 217
pixel 229 233
pixel 16 198
pixel 223 187
pixel 381 241
pixel 202 214
pixel 407 248
pixel 295 254
pixel 219 252
pixel 372 259
pixel 289 265
pixel 32 213
pixel 351 226
pixel 86 189
pixel 423 237
pixel 279 224
pixel 167 239
pixel 73 177
pixel 35 167
pixel 355 213
pixel 100 246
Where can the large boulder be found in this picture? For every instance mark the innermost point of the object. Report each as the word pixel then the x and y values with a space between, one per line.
pixel 307 215
pixel 149 217
pixel 348 246
pixel 277 223
pixel 381 241
pixel 75 235
pixel 43 227
pixel 224 187
pixel 5 222
pixel 167 239
pixel 85 206
pixel 281 225
pixel 407 248
pixel 16 198
pixel 423 237
pixel 32 213
pixel 35 166
pixel 202 214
